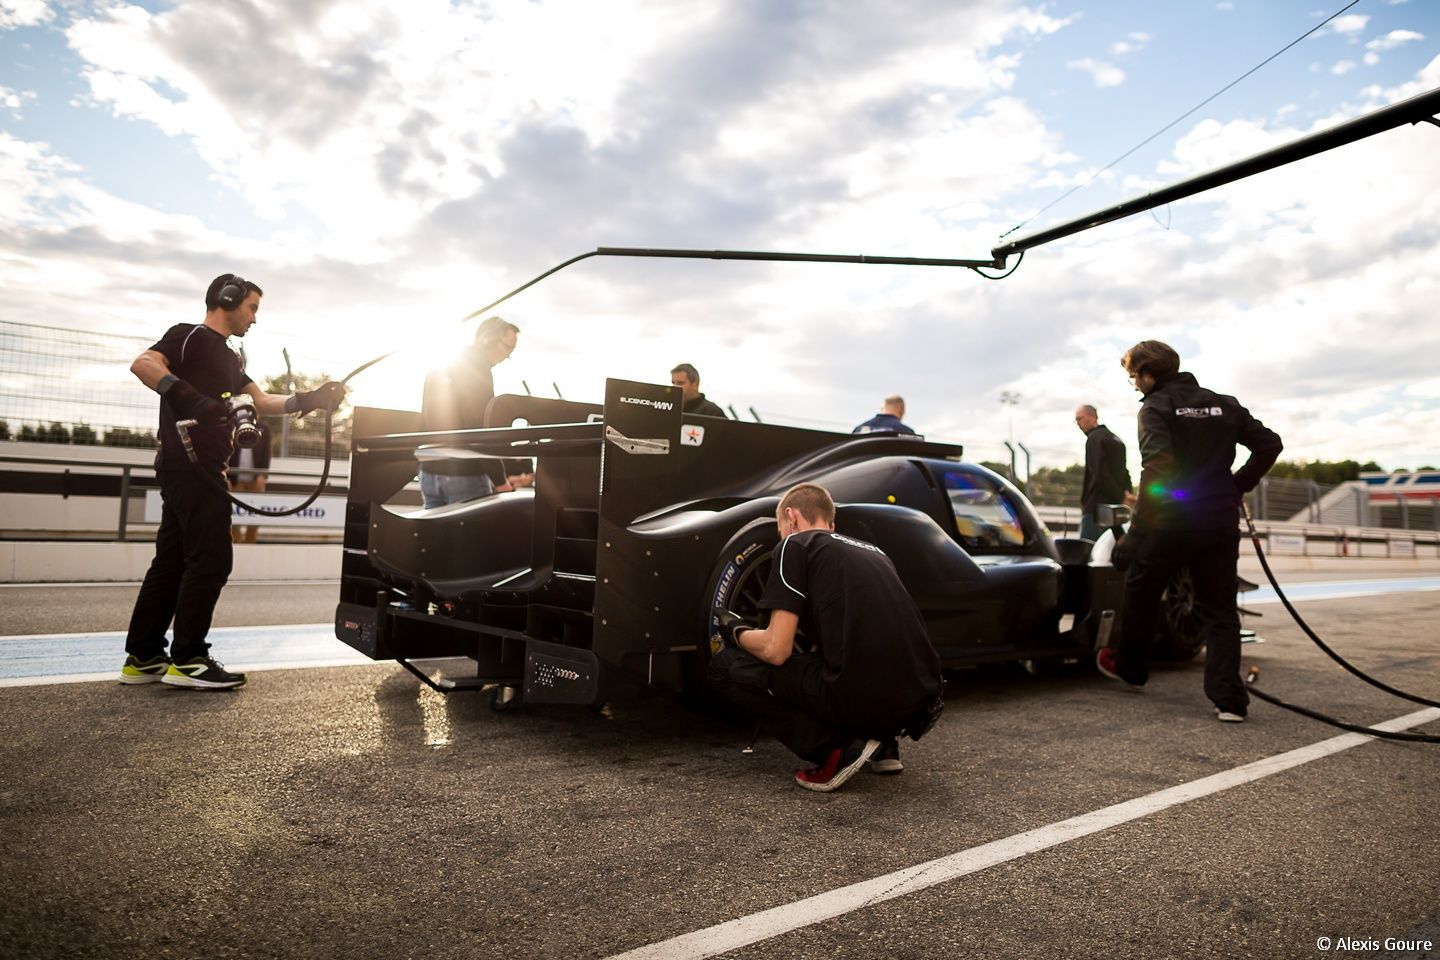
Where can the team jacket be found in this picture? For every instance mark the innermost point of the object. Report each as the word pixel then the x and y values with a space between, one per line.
pixel 1106 477
pixel 1188 437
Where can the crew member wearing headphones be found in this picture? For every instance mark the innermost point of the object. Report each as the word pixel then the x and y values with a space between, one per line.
pixel 455 399
pixel 193 369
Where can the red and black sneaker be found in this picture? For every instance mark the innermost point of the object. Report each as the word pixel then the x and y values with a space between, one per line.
pixel 840 765
pixel 1106 663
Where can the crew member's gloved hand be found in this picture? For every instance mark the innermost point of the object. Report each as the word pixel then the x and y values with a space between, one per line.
pixel 327 396
pixel 730 625
pixel 1125 550
pixel 190 404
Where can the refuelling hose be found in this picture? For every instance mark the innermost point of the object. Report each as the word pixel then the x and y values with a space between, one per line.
pixel 183 428
pixel 1254 672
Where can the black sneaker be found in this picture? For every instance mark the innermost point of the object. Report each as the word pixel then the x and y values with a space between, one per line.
pixel 202 673
pixel 840 765
pixel 887 758
pixel 144 671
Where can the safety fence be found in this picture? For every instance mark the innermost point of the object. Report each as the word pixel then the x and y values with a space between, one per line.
pixel 68 386
pixel 117 499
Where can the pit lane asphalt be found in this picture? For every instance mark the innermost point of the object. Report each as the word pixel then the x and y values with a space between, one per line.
pixel 348 812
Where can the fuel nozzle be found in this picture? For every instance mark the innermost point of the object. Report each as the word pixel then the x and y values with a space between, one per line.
pixel 242 416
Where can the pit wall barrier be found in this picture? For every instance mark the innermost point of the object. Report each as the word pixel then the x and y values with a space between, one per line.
pixel 1304 540
pixel 29 561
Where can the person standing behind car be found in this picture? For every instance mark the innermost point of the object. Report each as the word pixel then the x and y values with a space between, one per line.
pixel 1186 515
pixel 455 399
pixel 889 419
pixel 1107 478
pixel 874 672
pixel 193 368
pixel 687 378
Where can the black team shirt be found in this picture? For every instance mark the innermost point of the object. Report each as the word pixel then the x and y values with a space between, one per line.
pixel 202 358
pixel 880 666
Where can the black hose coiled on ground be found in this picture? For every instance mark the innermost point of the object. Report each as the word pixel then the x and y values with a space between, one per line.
pixel 1315 714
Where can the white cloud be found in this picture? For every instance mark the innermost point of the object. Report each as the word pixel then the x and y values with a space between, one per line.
pixel 1394 39
pixel 419 165
pixel 1389 41
pixel 1342 67
pixel 24 13
pixel 1104 74
pixel 1134 42
pixel 1350 23
pixel 15 100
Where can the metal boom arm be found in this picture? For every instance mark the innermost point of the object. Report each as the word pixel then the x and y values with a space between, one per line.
pixel 1417 109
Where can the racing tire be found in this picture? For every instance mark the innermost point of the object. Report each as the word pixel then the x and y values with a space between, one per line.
pixel 738 580
pixel 736 583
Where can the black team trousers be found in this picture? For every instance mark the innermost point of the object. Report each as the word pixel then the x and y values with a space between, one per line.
pixel 193 557
pixel 1211 557
pixel 789 701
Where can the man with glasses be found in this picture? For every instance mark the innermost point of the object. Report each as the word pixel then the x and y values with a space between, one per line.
pixel 455 399
pixel 687 378
pixel 1186 516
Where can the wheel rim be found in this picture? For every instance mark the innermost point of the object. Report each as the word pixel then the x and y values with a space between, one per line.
pixel 1180 614
pixel 750 586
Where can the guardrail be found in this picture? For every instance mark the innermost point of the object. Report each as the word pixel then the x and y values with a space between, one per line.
pixel 128 470
pixel 1302 539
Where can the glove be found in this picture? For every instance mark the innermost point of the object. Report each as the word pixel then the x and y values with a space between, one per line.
pixel 190 404
pixel 1125 550
pixel 327 396
pixel 730 625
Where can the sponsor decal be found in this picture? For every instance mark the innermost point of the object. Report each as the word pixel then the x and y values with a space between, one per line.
pixel 657 404
pixel 1199 413
pixel 857 543
pixel 692 436
pixel 722 589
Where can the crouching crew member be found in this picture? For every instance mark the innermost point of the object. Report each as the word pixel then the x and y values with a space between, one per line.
pixel 1187 515
pixel 193 368
pixel 873 673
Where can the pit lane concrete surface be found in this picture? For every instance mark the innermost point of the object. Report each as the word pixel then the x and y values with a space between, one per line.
pixel 349 812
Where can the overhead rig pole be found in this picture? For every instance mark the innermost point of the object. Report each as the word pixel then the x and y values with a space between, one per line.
pixel 1418 109
pixel 790 257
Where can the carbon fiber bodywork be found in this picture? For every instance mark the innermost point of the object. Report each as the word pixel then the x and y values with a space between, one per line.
pixel 604 579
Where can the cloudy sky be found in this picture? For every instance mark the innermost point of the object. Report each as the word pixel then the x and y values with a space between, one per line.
pixel 382 169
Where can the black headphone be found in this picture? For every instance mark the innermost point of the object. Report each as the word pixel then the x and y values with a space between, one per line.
pixel 232 293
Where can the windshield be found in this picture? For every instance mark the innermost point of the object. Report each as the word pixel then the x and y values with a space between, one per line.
pixel 984 517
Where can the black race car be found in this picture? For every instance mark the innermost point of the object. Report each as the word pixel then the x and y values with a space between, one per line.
pixel 643 523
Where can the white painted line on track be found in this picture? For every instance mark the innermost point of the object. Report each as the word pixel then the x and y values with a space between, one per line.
pixel 758 927
pixel 213 632
pixel 330 581
pixel 113 675
pixel 1340 590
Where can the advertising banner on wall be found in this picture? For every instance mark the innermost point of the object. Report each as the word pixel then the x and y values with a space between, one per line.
pixel 326 513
